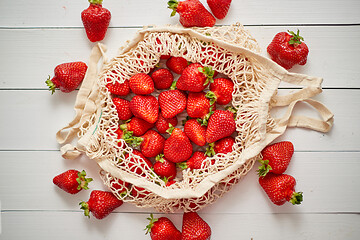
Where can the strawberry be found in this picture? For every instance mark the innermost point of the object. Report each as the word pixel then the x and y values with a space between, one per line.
pixel 141 84
pixel 221 91
pixel 162 78
pixel 100 204
pixel 221 124
pixel 223 145
pixel 177 64
pixel 152 143
pixel 67 76
pixel 137 126
pixel 119 89
pixel 219 8
pixel 162 229
pixel 196 160
pixel 192 13
pixel 276 158
pixel 195 132
pixel 198 106
pixel 280 188
pixel 194 227
pixel 96 20
pixel 162 124
pixel 195 78
pixel 145 107
pixel 172 102
pixel 139 192
pixel 134 162
pixel 120 186
pixel 123 108
pixel 177 147
pixel 288 49
pixel 72 181
pixel 164 168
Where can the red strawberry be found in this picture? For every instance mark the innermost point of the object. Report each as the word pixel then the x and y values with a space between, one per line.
pixel 138 164
pixel 145 107
pixel 123 108
pixel 120 186
pixel 139 192
pixel 172 102
pixel 194 227
pixel 288 49
pixel 195 132
pixel 152 144
pixel 219 8
pixel 67 76
pixel 100 204
pixel 223 145
pixel 119 89
pixel 276 158
pixel 221 124
pixel 221 91
pixel 72 181
pixel 164 168
pixel 195 78
pixel 162 124
pixel 280 188
pixel 198 106
pixel 137 125
pixel 192 13
pixel 162 229
pixel 141 84
pixel 177 147
pixel 196 160
pixel 96 20
pixel 177 64
pixel 162 78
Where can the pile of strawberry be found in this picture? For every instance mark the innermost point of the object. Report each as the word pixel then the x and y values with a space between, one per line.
pixel 150 124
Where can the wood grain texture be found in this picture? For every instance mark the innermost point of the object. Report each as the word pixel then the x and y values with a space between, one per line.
pixel 59 13
pixel 69 225
pixel 38 115
pixel 38 51
pixel 325 191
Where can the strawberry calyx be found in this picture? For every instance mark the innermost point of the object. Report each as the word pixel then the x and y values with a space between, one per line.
pixel 85 207
pixel 170 129
pixel 129 137
pixel 182 165
pixel 209 73
pixel 151 223
pixel 264 168
pixel 204 121
pixel 173 4
pixel 210 150
pixel 296 39
pixel 52 86
pixel 83 181
pixel 296 198
pixel 212 96
pixel 173 85
pixel 160 158
pixel 232 109
pixel 96 2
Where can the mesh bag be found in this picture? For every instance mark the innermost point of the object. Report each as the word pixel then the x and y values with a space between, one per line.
pixel 230 50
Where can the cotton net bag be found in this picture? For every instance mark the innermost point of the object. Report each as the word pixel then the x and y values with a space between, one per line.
pixel 230 50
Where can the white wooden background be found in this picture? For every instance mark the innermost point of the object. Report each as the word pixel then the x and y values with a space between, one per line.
pixel 36 36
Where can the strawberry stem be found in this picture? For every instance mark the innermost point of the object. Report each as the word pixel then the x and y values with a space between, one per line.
pixel 264 168
pixel 296 198
pixel 85 207
pixel 296 38
pixel 173 85
pixel 83 182
pixel 151 224
pixel 170 129
pixel 51 85
pixel 210 150
pixel 173 4
pixel 98 2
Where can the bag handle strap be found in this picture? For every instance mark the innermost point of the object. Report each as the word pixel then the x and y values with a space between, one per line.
pixel 84 104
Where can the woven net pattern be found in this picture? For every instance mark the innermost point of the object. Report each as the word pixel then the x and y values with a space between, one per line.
pixel 135 182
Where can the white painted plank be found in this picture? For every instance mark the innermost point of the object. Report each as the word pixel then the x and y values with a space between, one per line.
pixel 31 119
pixel 69 225
pixel 327 180
pixel 32 54
pixel 137 13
